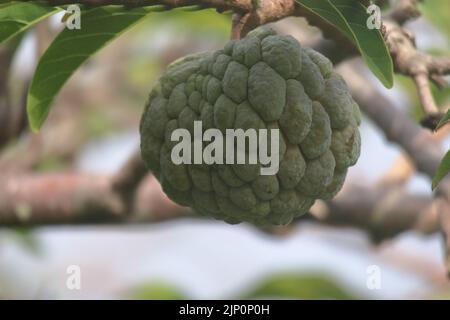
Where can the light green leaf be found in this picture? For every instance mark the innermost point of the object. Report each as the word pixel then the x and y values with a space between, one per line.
pixel 70 49
pixel 443 121
pixel 441 172
pixel 16 17
pixel 300 286
pixel 155 291
pixel 350 17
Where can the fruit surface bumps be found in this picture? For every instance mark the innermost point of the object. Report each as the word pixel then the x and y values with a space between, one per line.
pixel 263 81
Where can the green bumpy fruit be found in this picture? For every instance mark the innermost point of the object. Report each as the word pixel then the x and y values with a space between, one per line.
pixel 264 81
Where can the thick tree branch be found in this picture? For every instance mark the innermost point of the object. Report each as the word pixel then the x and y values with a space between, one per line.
pixel 71 198
pixel 34 199
pixel 382 212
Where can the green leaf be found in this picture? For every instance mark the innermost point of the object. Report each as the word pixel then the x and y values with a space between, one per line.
pixel 155 291
pixel 16 17
pixel 70 49
pixel 441 172
pixel 350 17
pixel 443 121
pixel 300 286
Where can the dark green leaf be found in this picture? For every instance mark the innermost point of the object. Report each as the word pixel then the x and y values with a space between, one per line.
pixel 443 169
pixel 70 49
pixel 16 17
pixel 350 17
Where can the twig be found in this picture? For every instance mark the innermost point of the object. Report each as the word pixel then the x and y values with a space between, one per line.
pixel 425 94
pixel 418 65
pixel 220 5
pixel 127 180
pixel 237 24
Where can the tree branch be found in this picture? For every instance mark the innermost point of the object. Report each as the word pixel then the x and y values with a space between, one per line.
pixel 58 198
pixel 382 213
pixel 71 198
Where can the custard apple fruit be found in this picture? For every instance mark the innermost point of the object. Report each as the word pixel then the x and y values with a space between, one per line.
pixel 263 81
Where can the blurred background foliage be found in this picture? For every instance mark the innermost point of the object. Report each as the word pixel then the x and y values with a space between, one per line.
pixel 437 13
pixel 278 286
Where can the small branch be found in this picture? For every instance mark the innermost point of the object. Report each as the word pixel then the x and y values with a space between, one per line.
pixel 418 65
pixel 127 180
pixel 426 96
pixel 220 5
pixel 238 22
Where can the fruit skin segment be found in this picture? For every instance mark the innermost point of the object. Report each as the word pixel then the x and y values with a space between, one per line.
pixel 263 81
